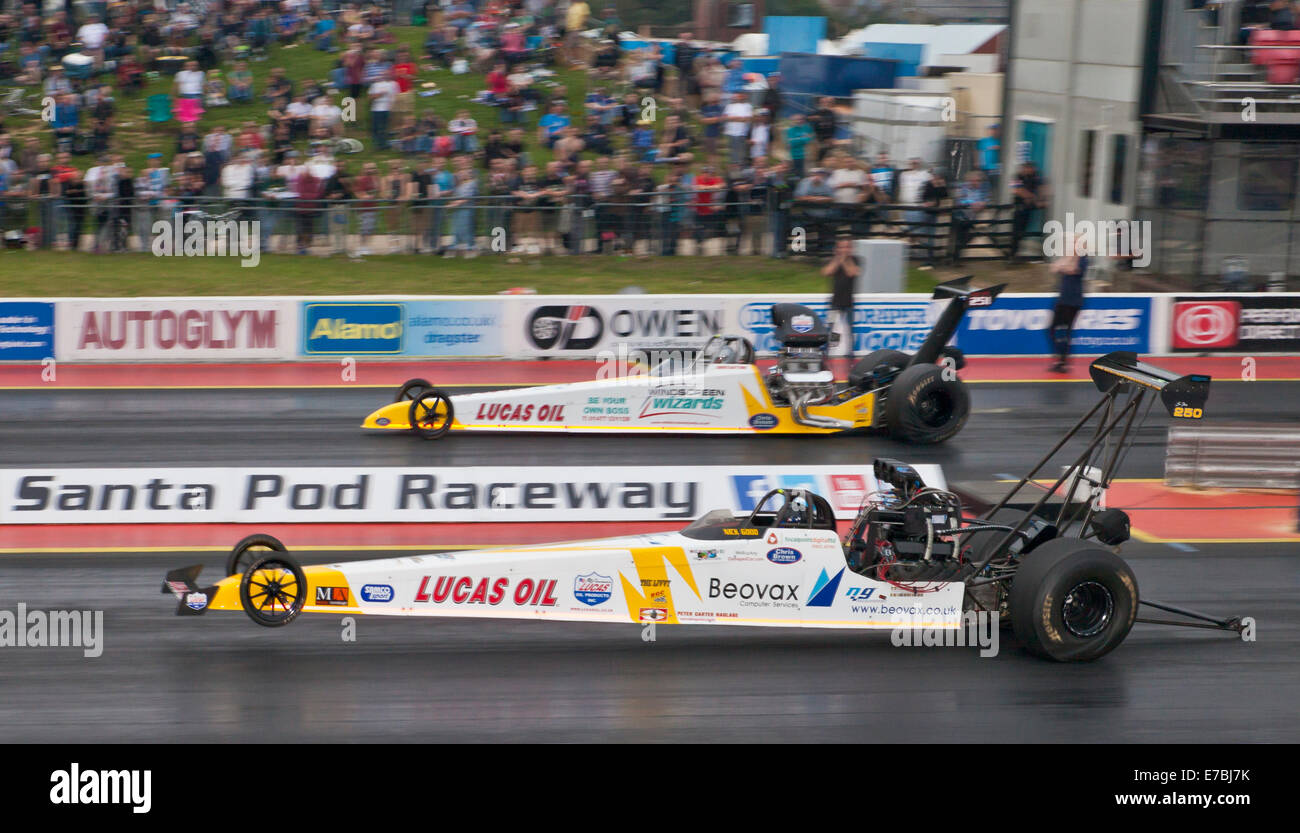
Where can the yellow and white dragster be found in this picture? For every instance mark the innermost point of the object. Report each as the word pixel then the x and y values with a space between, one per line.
pixel 911 559
pixel 724 392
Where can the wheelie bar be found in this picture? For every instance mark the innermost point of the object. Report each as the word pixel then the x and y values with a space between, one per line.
pixel 1232 624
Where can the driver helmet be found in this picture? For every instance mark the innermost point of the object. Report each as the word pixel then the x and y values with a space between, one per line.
pixel 798 508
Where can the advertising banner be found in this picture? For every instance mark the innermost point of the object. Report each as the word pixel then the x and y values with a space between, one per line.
pixel 1256 323
pixel 894 322
pixel 1017 325
pixel 573 327
pixel 176 329
pixel 414 495
pixel 415 327
pixel 26 330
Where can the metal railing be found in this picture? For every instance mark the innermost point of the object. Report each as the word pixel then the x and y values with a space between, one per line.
pixel 663 223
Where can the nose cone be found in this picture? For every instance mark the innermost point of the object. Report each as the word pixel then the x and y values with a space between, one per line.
pixel 394 415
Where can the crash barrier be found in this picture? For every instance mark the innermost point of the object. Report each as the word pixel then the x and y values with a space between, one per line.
pixel 1234 456
pixel 605 327
pixel 663 223
pixel 428 494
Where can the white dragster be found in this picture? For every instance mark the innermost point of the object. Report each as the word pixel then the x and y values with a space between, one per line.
pixel 781 565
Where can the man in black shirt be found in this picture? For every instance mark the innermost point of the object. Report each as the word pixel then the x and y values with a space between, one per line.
pixel 843 270
pixel 1027 195
pixel 823 124
pixel 933 196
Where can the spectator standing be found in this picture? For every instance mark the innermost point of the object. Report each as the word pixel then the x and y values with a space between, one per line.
pixel 1071 269
pixel 464 132
pixel 383 95
pixel 933 196
pixel 849 184
pixel 760 136
pixel 972 198
pixel 737 115
pixel 1028 194
pixel 911 192
pixel 462 205
pixel 797 138
pixel 882 171
pixel 709 217
pixel 711 113
pixel 990 155
pixel 816 200
pixel 843 270
pixel 354 70
pixel 823 124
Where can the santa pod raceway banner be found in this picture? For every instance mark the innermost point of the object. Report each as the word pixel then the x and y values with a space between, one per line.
pixel 176 329
pixel 416 495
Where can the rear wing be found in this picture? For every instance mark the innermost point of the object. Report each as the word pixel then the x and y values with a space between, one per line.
pixel 963 297
pixel 1183 396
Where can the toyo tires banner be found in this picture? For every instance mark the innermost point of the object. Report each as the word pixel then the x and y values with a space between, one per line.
pixel 1018 325
pixel 415 495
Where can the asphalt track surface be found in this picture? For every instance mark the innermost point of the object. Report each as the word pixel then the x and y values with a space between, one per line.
pixel 220 678
pixel 1011 425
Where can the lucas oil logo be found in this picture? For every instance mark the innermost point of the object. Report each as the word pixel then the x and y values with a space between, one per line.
pixel 592 588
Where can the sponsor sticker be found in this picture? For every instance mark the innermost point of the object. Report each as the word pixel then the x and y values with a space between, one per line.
pixel 763 421
pixel 377 593
pixel 196 601
pixel 593 588
pixel 784 555
pixel 335 596
pixel 801 323
pixel 653 614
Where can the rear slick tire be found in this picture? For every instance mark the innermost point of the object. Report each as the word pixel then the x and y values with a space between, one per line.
pixel 1072 601
pixel 924 407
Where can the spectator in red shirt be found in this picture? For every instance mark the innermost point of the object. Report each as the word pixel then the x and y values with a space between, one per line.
pixel 709 217
pixel 404 75
pixel 498 83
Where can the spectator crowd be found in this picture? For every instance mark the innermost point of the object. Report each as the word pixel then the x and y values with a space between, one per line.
pixel 657 150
